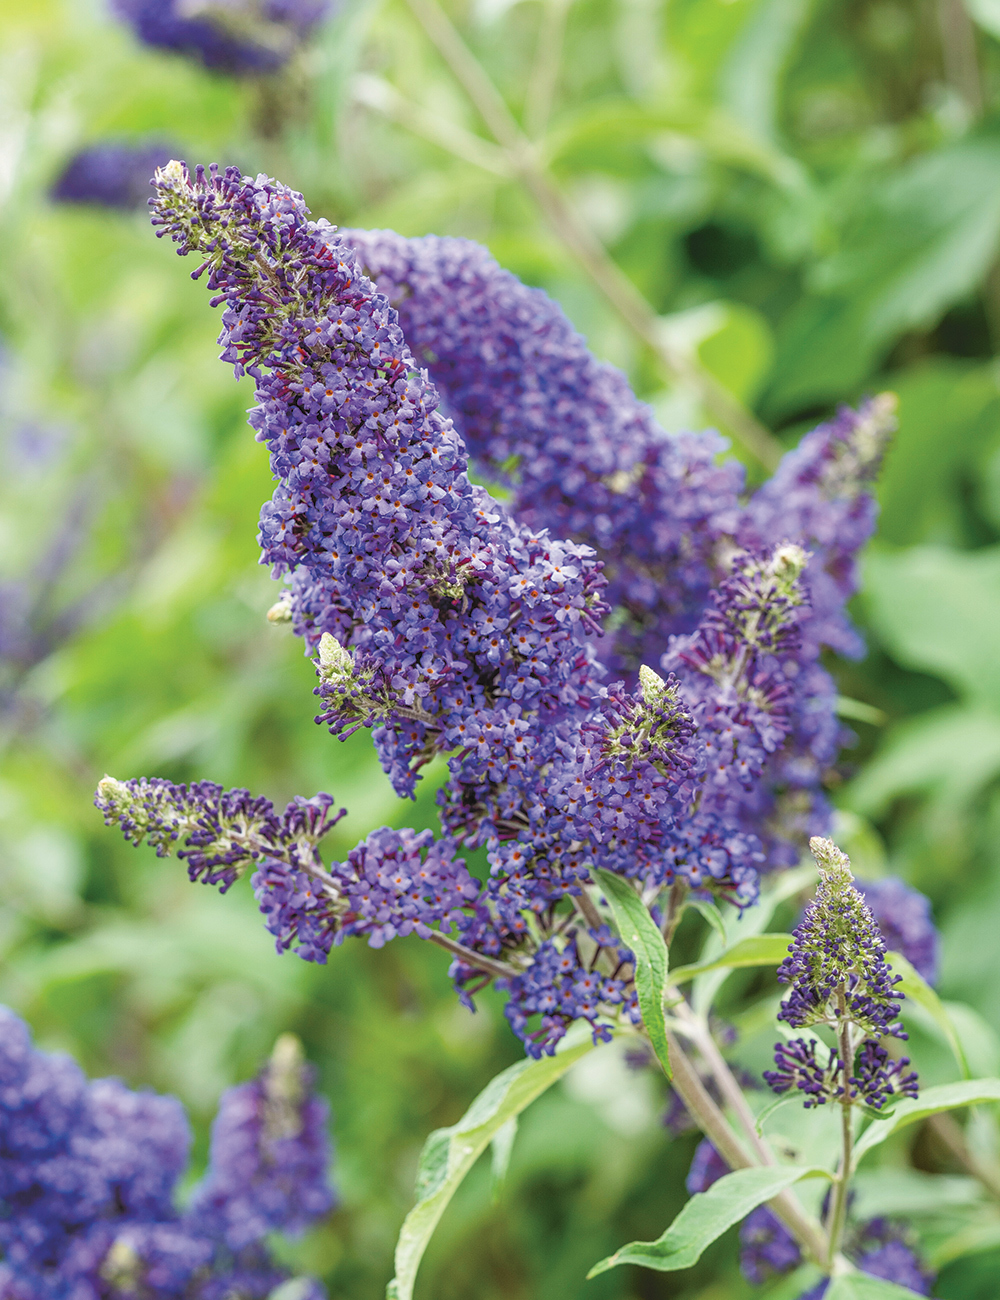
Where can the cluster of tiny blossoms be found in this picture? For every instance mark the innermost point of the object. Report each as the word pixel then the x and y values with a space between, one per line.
pixel 491 632
pixel 239 37
pixel 89 1173
pixel 840 979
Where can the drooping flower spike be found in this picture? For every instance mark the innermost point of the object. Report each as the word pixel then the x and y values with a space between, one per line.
pixel 448 622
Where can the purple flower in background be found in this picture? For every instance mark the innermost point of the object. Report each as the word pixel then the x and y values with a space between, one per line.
pixel 882 1248
pixel 707 1167
pixel 89 1174
pixel 268 1162
pixel 904 917
pixel 111 175
pixel 767 1248
pixel 240 37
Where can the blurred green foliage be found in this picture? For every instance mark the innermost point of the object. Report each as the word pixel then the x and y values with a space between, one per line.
pixel 808 192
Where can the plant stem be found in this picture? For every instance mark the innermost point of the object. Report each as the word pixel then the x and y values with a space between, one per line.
pixel 472 958
pixel 675 909
pixel 580 240
pixel 545 72
pixel 715 1126
pixel 838 1207
pixel 700 1034
pixel 950 1133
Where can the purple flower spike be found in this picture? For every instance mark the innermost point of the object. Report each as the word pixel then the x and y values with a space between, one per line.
pixel 240 37
pixel 111 175
pixel 89 1174
pixel 839 977
pixel 267 1168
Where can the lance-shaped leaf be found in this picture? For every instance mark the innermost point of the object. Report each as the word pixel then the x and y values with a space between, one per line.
pixel 860 1286
pixel 949 1096
pixel 640 932
pixel 706 1216
pixel 914 986
pixel 449 1153
pixel 755 950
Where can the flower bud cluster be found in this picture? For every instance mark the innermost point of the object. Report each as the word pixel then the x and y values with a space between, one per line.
pixel 840 979
pixel 89 1173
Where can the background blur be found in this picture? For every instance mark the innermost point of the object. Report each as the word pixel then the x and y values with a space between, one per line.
pixel 808 191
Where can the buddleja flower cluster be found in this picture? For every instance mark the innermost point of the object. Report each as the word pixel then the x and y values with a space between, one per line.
pixel 89 1173
pixel 620 662
pixel 240 37
pixel 840 979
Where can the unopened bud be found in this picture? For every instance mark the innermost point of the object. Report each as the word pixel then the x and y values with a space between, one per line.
pixel 281 610
pixel 333 658
pixel 829 858
pixel 651 682
pixel 788 561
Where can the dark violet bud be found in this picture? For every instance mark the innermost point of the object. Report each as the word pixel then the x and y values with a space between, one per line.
pixel 240 37
pixel 111 175
pixel 767 1248
pixel 707 1167
pixel 807 1065
pixel 836 964
pixel 904 918
pixel 269 1157
pixel 878 1077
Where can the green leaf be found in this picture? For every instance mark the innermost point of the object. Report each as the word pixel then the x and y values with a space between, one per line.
pixel 949 1096
pixel 914 986
pixel 706 1216
pixel 711 914
pixel 927 603
pixel 640 932
pixel 860 1286
pixel 500 1149
pixel 775 1104
pixel 756 950
pixel 985 14
pixel 449 1153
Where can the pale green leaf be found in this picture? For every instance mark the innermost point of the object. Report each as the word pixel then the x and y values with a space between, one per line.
pixel 860 1286
pixel 949 1096
pixel 928 602
pixel 449 1153
pixel 915 987
pixel 755 950
pixel 711 914
pixel 640 932
pixel 500 1150
pixel 706 1216
pixel 985 14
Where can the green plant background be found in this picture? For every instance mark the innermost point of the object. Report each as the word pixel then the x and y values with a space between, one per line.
pixel 810 192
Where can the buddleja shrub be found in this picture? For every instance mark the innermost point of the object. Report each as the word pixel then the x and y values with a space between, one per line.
pixel 621 662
